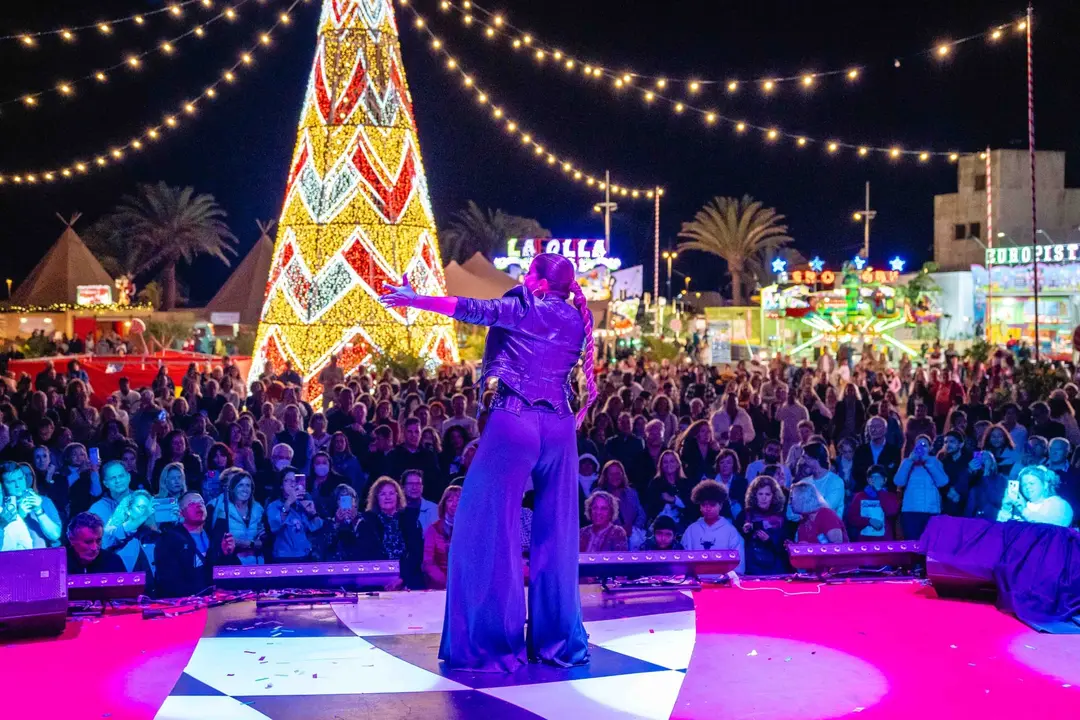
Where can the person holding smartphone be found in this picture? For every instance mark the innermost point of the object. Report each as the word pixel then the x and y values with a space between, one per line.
pixel 240 515
pixel 923 476
pixel 293 519
pixel 21 502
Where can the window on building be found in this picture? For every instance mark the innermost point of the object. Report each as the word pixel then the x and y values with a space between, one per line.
pixel 960 232
pixel 975 230
pixel 980 182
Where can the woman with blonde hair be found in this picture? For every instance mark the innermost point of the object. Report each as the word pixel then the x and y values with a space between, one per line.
pixel 631 515
pixel 437 540
pixel 603 534
pixel 668 492
pixel 388 530
pixel 818 523
pixel 132 533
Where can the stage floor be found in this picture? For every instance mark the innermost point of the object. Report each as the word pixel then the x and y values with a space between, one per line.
pixel 771 650
pixel 377 659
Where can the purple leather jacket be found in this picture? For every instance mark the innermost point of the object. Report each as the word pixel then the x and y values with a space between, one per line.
pixel 532 346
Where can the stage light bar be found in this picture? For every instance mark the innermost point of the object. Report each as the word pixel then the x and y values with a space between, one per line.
pixel 866 554
pixel 658 562
pixel 370 573
pixel 106 586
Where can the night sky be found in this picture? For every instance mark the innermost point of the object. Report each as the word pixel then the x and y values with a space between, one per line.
pixel 238 148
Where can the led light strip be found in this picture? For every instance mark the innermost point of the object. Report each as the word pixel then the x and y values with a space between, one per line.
pixel 116 153
pixel 134 61
pixel 494 25
pixel 514 128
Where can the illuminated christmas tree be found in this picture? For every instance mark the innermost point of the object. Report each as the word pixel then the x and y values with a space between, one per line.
pixel 356 211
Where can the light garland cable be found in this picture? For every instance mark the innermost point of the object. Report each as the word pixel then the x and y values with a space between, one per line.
pixel 104 27
pixel 712 117
pixel 117 152
pixel 526 138
pixel 494 24
pixel 133 61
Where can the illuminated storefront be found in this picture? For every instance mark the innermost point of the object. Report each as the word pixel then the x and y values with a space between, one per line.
pixel 1012 316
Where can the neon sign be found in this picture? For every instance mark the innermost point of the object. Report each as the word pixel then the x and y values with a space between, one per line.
pixel 586 254
pixel 828 277
pixel 1022 255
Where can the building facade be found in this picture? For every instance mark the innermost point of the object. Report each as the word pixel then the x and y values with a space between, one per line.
pixel 960 218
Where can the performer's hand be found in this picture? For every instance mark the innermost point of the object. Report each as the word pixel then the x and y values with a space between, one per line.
pixel 399 295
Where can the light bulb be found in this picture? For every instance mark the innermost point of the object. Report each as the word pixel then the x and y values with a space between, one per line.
pixel 679 107
pixel 661 83
pixel 732 86
pixel 863 151
pixel 104 28
pixel 772 134
pixel 710 118
pixel 498 20
pixel 740 127
pixel 67 35
pixel 801 142
pixel 133 61
pixel 695 86
pixel 649 96
pixel 807 80
pixel 953 157
pixel 490 32
pixel 167 48
pixel 769 85
pixel 894 153
pixel 853 74
pixel 834 146
pixel 28 41
pixel 924 156
pixel 100 76
pixel 943 50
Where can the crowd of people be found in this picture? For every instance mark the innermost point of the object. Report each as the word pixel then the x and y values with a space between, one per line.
pixel 204 470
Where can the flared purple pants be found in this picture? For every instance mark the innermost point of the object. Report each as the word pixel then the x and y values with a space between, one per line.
pixel 484 626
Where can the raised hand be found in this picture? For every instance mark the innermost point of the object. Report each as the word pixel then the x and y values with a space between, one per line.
pixel 399 295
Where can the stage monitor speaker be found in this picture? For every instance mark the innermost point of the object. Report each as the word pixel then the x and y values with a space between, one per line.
pixel 33 592
pixel 950 581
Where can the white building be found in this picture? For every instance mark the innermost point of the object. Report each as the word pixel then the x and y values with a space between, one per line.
pixel 960 237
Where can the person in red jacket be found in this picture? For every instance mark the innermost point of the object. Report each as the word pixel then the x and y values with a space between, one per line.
pixel 871 514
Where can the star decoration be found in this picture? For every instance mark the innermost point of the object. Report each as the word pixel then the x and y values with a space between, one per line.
pixel 897 264
pixel 817 264
pixel 779 265
pixel 859 262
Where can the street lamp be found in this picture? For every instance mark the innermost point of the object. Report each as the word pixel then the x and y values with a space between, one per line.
pixel 865 216
pixel 669 255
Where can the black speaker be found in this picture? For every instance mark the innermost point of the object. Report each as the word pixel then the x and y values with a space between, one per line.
pixel 33 592
pixel 952 582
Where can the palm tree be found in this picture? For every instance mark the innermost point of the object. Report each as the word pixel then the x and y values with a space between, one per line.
pixel 739 231
pixel 473 230
pixel 159 227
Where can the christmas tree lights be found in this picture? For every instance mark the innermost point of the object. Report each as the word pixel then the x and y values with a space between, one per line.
pixel 356 213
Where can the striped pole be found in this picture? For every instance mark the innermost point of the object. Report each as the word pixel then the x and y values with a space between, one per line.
pixel 989 316
pixel 656 254
pixel 1031 156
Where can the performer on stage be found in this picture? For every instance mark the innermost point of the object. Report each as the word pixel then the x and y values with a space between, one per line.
pixel 536 339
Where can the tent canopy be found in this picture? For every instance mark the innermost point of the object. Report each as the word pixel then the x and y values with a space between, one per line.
pixel 67 265
pixel 244 290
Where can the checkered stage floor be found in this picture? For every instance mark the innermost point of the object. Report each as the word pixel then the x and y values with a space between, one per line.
pixel 377 659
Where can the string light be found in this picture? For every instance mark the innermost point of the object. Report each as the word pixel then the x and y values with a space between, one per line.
pixel 512 127
pixel 117 152
pixel 105 27
pixel 481 17
pixel 133 61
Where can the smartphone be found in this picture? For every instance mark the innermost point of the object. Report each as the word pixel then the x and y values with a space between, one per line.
pixel 166 510
pixel 162 416
pixel 977 456
pixel 1013 491
pixel 95 456
pixel 345 502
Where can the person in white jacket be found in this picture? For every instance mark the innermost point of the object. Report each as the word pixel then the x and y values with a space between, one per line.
pixel 731 414
pixel 922 475
pixel 712 531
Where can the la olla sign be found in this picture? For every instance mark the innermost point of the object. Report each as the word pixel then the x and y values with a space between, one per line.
pixel 586 254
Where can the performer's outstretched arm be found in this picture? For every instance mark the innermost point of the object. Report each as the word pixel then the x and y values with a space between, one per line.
pixel 404 296
pixel 506 312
